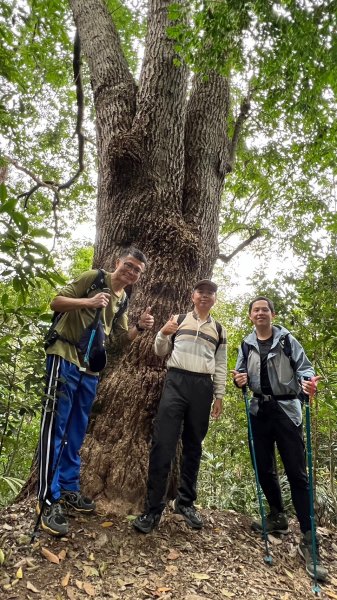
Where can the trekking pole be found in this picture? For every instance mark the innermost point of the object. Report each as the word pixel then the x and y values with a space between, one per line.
pixel 64 442
pixel 308 400
pixel 94 329
pixel 267 558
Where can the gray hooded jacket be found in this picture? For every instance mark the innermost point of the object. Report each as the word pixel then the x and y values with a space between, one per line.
pixel 284 379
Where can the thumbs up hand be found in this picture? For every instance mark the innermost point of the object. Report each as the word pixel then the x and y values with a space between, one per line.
pixel 146 320
pixel 170 326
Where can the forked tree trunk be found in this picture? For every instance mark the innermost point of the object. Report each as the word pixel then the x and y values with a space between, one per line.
pixel 162 162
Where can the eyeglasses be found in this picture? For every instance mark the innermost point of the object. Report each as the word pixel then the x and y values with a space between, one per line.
pixel 130 267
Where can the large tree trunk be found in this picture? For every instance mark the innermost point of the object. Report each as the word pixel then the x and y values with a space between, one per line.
pixel 161 175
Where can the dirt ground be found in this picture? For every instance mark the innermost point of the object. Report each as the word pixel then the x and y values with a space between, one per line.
pixel 103 557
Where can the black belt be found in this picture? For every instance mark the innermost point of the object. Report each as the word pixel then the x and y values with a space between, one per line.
pixel 185 372
pixel 267 397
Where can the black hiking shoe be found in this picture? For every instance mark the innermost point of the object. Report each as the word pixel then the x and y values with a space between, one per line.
pixel 305 550
pixel 276 522
pixel 146 522
pixel 76 501
pixel 52 519
pixel 191 516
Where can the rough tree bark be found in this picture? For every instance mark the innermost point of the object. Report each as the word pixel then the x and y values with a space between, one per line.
pixel 163 155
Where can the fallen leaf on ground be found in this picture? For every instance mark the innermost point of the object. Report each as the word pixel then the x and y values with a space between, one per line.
pixel 2 557
pixel 330 593
pixel 227 594
pixel 79 584
pixel 50 556
pixel 274 540
pixel 71 594
pixel 107 524
pixel 289 574
pixel 19 573
pixel 32 588
pixel 65 580
pixel 161 590
pixel 201 576
pixel 173 554
pixel 89 588
pixel 62 554
pixel 172 569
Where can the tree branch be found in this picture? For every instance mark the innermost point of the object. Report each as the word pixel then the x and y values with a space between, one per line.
pixel 161 103
pixel 226 258
pixel 53 185
pixel 80 112
pixel 112 83
pixel 242 117
pixel 40 183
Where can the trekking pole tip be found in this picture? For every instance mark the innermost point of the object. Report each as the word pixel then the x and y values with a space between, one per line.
pixel 268 559
pixel 316 589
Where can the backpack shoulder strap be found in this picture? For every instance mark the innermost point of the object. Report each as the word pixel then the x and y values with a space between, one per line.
pixel 286 347
pixel 220 336
pixel 180 319
pixel 122 308
pixel 98 283
pixel 245 349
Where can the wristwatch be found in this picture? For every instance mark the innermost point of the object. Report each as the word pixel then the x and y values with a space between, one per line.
pixel 139 328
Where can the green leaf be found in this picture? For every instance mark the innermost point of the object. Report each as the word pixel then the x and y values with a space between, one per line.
pixel 3 193
pixel 8 207
pixel 21 221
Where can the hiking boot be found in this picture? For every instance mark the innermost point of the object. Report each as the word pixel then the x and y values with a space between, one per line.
pixel 146 522
pixel 76 501
pixel 276 522
pixel 191 516
pixel 305 550
pixel 52 519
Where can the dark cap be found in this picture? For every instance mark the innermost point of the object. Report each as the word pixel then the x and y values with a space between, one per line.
pixel 213 286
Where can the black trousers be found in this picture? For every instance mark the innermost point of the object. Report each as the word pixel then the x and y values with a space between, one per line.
pixel 184 410
pixel 270 426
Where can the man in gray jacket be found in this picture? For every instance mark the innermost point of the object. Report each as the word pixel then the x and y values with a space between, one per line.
pixel 276 378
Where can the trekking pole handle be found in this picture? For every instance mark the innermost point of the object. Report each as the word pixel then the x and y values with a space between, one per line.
pixel 244 387
pixel 309 397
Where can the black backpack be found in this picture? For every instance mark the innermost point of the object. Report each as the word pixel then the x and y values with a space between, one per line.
pixel 98 284
pixel 218 325
pixel 284 342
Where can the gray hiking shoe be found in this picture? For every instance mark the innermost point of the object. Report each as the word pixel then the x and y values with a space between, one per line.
pixel 305 550
pixel 52 519
pixel 190 514
pixel 276 522
pixel 77 502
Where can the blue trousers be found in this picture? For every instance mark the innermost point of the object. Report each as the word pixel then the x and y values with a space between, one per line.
pixel 69 396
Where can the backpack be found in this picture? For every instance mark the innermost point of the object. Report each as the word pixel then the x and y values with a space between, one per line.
pixel 218 325
pixel 285 344
pixel 98 284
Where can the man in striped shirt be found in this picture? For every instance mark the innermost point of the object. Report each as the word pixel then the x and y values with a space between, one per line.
pixel 196 376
